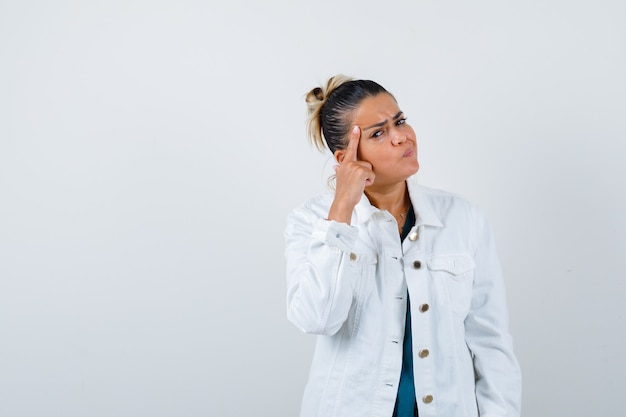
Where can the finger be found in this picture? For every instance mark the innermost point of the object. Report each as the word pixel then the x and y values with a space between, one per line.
pixel 366 164
pixel 369 170
pixel 353 145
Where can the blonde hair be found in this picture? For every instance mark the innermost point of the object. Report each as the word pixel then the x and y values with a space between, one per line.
pixel 329 108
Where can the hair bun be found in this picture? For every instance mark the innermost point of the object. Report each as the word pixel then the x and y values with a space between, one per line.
pixel 318 93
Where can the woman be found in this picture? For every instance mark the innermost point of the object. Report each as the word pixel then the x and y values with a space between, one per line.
pixel 401 282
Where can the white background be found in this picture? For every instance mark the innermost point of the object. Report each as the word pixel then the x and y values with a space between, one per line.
pixel 150 152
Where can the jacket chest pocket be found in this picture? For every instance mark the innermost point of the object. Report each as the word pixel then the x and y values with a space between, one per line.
pixel 363 268
pixel 453 276
pixel 365 264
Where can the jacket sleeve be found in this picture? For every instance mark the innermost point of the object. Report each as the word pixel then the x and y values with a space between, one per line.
pixel 498 376
pixel 321 271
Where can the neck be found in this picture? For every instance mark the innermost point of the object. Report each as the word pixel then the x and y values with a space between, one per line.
pixel 392 198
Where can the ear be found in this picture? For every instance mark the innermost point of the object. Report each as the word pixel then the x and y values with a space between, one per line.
pixel 339 155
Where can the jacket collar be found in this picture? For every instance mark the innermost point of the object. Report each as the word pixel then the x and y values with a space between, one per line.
pixel 425 215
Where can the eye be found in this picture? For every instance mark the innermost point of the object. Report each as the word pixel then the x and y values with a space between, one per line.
pixel 377 134
pixel 401 121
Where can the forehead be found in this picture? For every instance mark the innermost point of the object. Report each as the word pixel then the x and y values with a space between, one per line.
pixel 376 109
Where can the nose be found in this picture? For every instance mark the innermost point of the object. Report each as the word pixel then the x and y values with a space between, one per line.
pixel 399 138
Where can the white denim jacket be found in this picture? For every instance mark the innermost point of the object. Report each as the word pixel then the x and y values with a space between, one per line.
pixel 348 284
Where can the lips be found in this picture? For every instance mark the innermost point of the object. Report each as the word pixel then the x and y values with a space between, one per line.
pixel 408 152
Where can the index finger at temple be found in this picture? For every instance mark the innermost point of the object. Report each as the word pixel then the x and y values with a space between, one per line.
pixel 353 144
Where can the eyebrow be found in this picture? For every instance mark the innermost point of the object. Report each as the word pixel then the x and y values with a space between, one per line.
pixel 384 122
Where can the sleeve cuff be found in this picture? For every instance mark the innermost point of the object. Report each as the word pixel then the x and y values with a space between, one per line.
pixel 339 235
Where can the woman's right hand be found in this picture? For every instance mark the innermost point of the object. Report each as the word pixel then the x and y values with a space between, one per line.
pixel 352 178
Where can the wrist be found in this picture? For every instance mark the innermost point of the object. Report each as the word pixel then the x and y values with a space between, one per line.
pixel 341 212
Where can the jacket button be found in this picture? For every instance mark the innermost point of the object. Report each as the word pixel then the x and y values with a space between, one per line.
pixel 424 308
pixel 428 399
pixel 413 236
pixel 353 256
pixel 417 264
pixel 423 353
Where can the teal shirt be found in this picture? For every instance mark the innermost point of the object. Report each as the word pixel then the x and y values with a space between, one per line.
pixel 405 401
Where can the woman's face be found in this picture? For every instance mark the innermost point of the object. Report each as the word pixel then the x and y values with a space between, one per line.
pixel 387 141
